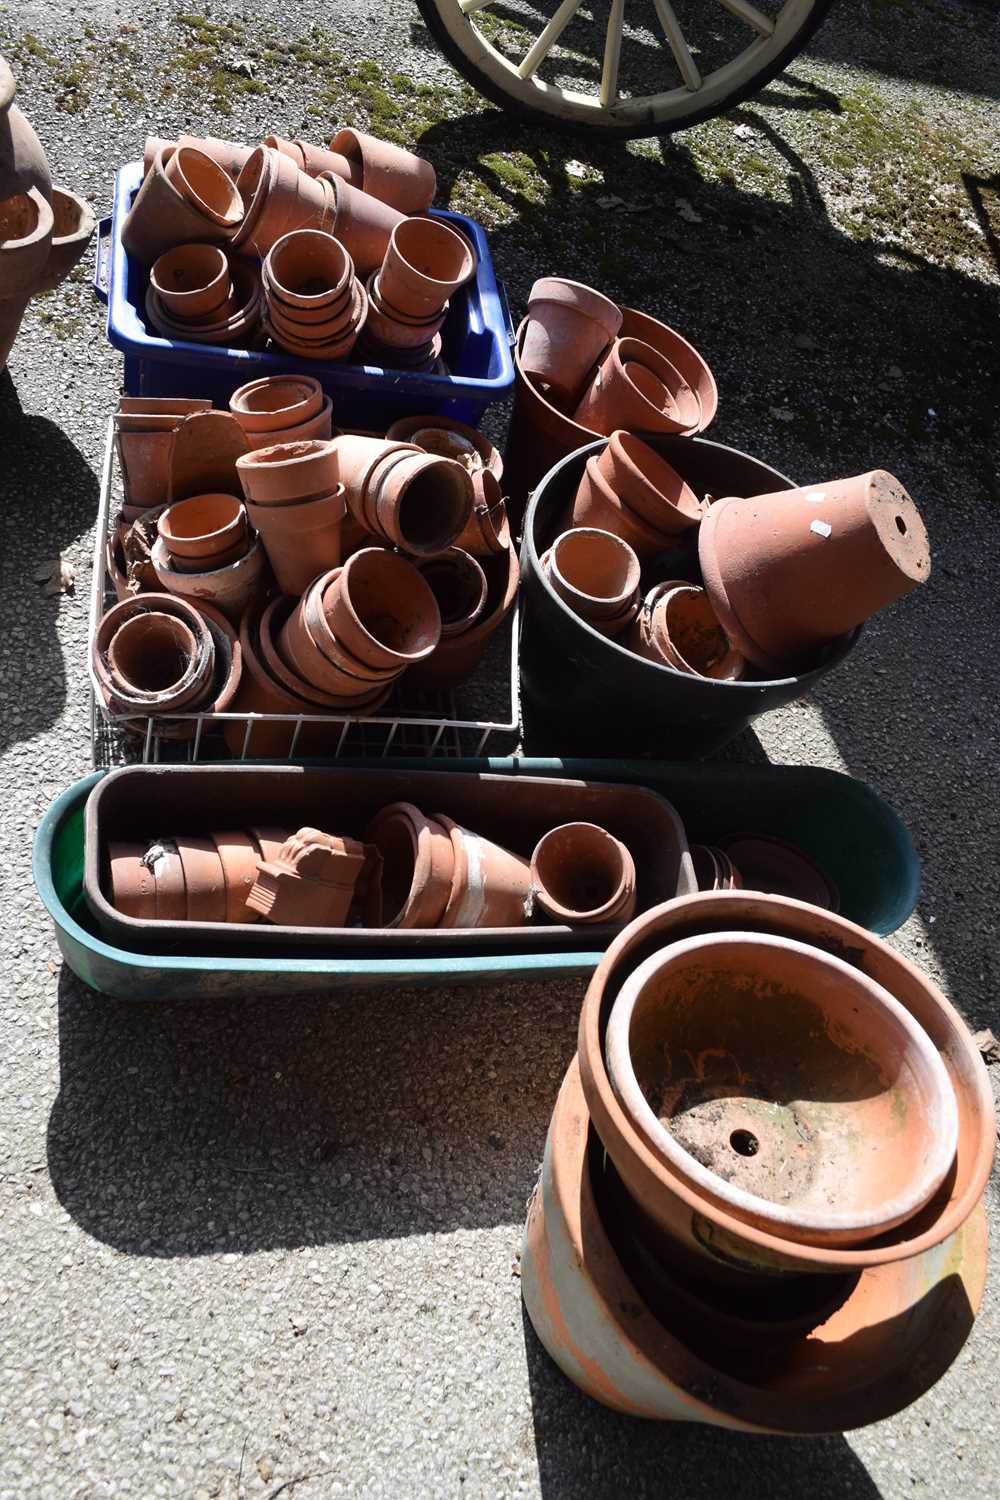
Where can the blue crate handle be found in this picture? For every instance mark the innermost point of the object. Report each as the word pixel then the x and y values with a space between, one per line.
pixel 505 309
pixel 102 259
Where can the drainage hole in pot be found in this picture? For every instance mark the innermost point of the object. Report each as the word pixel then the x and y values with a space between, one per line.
pixel 901 525
pixel 744 1142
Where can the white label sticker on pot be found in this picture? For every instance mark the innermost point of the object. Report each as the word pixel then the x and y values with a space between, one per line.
pixel 816 497
pixel 474 901
pixel 821 528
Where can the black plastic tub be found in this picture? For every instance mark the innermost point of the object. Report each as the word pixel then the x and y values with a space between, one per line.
pixel 583 694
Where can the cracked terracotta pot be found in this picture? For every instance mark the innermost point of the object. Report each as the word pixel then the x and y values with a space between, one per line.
pixel 789 572
pixel 240 854
pixel 233 324
pixel 449 438
pixel 286 473
pixel 699 1233
pixel 279 198
pixel 595 505
pixel 362 223
pixel 780 869
pixel 419 502
pixel 170 890
pixel 282 409
pixel 647 484
pixel 388 172
pixel 569 326
pixel 783 1085
pixel 194 284
pixel 382 610
pixel 204 879
pixel 417 865
pixel 636 388
pixel 457 657
pixel 72 230
pixel 311 882
pixel 203 456
pixel 678 627
pixel 197 201
pixel 301 539
pixel 490 886
pixel 425 264
pixel 656 1346
pixel 459 586
pixel 597 575
pixel 204 532
pixel 581 874
pixel 230 587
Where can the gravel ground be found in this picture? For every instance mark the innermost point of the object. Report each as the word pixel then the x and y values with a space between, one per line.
pixel 250 1245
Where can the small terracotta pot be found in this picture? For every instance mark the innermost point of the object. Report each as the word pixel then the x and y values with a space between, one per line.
pixel 490 886
pixel 302 539
pixel 309 271
pixel 204 879
pixel 208 531
pixel 260 693
pixel 679 628
pixel 194 284
pixel 287 473
pixel 417 865
pixel 203 183
pixel 228 328
pixel 306 645
pixel 781 869
pixel 133 888
pixel 362 223
pixel 569 328
pixel 231 587
pixel 449 438
pixel 597 574
pixel 329 342
pixel 596 506
pixel 387 172
pixel 425 264
pixel 152 654
pixel 581 874
pixel 72 230
pixel 240 854
pixel 420 502
pixel 357 457
pixel 827 1116
pixel 648 485
pixel 204 455
pixel 279 198
pixel 636 388
pixel 682 355
pixel 292 654
pixel 328 325
pixel 787 573
pixel 163 214
pixel 458 584
pixel 291 149
pixel 457 657
pixel 167 656
pixel 231 156
pixel 277 404
pixel 382 610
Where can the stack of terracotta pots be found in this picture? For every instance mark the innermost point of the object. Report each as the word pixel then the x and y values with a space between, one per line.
pixel 156 654
pixel 424 265
pixel 678 628
pixel 282 409
pixel 144 437
pixel 760 1202
pixel 296 501
pixel 630 490
pixel 197 292
pixel 207 552
pixel 597 575
pixel 185 198
pixel 315 305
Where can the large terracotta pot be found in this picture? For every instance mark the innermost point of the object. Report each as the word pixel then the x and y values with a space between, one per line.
pixel 788 572
pixel 387 172
pixel 72 230
pixel 22 160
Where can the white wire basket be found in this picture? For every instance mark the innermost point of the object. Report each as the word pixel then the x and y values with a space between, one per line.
pixel 478 717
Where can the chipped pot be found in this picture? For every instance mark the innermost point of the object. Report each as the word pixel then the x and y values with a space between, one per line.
pixel 286 473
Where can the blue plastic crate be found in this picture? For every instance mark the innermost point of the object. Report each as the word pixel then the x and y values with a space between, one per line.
pixel 477 341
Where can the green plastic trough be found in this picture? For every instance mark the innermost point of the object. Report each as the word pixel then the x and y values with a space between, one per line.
pixel 846 828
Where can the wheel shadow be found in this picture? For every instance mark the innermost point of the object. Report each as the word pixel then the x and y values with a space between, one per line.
pixel 50 496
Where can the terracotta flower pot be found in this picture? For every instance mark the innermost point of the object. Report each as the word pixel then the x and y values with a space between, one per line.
pixel 22 159
pixel 282 409
pixel 382 610
pixel 72 230
pixel 133 888
pixel 569 326
pixel 636 388
pixel 386 330
pixel 332 341
pixel 234 323
pixel 231 156
pixel 362 223
pixel 301 539
pixel 827 1115
pixel 420 502
pixel 306 645
pixel 417 865
pixel 287 473
pixel 490 886
pixel 662 1351
pixel 458 584
pixel 169 886
pixel 260 693
pixel 152 654
pixel 487 531
pixel 230 587
pixel 311 882
pixel 708 1238
pixel 596 506
pixel 456 658
pixel 184 197
pixel 279 198
pixel 309 271
pixel 240 854
pixel 788 573
pixel 425 264
pixel 319 159
pixel 168 674
pixel 779 868
pixel 204 454
pixel 679 628
pixel 597 574
pixel 145 439
pixel 291 149
pixel 205 531
pixel 648 485
pixel 194 283
pixel 581 874
pixel 388 172
pixel 204 879
pixel 449 438
pixel 26 228
pixel 683 356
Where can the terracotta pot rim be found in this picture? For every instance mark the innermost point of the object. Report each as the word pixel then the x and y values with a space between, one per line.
pixel 167 294
pixel 217 539
pixel 227 218
pixel 292 680
pixel 630 350
pixel 443 232
pixel 586 300
pixel 42 229
pixel 293 414
pixel 295 239
pixel 607 604
pixel 573 916
pixel 164 563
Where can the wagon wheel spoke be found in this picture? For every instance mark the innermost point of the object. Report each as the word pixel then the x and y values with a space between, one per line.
pixel 677 43
pixel 612 53
pixel 762 24
pixel 467 7
pixel 548 38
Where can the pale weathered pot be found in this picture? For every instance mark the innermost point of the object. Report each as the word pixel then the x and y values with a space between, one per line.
pixel 490 886
pixel 175 676
pixel 169 211
pixel 597 506
pixel 231 588
pixel 597 574
pixel 581 874
pixel 278 198
pixel 72 231
pixel 26 225
pixel 388 172
pixel 22 160
pixel 282 409
pixel 569 326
